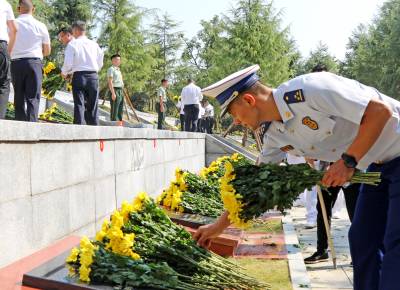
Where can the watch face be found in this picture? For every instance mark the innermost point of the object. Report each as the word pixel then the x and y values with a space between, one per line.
pixel 349 161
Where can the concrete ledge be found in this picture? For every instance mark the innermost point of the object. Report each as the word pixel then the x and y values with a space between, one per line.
pixel 297 268
pixel 62 179
pixel 35 132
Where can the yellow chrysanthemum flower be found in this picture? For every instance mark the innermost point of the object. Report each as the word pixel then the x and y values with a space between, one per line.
pixel 87 251
pixel 138 201
pixel 231 199
pixel 176 200
pixel 73 257
pixel 126 209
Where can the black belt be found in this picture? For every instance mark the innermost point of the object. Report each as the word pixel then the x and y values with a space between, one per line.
pixel 3 41
pixel 86 72
pixel 26 58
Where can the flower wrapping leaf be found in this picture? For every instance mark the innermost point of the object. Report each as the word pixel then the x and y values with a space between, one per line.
pixel 248 191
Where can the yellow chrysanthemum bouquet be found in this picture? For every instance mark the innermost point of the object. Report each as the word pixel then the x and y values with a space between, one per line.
pixel 248 191
pixel 57 114
pixel 190 193
pixel 140 248
pixel 52 80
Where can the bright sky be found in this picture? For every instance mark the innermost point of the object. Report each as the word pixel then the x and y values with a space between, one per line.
pixel 310 21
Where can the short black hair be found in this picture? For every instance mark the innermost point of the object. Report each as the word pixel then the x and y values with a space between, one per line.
pixel 319 67
pixel 164 80
pixel 65 30
pixel 81 25
pixel 114 56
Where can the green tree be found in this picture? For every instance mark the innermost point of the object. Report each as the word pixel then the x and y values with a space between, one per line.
pixel 374 51
pixel 168 40
pixel 319 56
pixel 121 33
pixel 42 9
pixel 251 33
pixel 63 14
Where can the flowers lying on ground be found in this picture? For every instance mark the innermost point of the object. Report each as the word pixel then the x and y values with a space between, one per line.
pixel 189 193
pixel 57 114
pixel 248 191
pixel 141 248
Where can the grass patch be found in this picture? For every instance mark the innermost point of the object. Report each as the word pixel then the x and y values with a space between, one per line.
pixel 270 226
pixel 273 272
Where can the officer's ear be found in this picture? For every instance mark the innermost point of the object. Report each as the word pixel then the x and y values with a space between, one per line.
pixel 250 99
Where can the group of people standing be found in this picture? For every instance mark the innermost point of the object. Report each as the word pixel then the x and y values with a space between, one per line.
pixel 23 44
pixel 195 113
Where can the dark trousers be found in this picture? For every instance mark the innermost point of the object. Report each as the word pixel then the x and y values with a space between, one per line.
pixel 85 90
pixel 161 116
pixel 201 125
pixel 191 117
pixel 350 195
pixel 117 105
pixel 376 223
pixel 182 119
pixel 209 124
pixel 27 76
pixel 5 78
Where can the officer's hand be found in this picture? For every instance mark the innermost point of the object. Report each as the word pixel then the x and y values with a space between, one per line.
pixel 113 96
pixel 337 174
pixel 204 234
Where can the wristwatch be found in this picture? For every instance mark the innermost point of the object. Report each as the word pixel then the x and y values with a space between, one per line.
pixel 349 161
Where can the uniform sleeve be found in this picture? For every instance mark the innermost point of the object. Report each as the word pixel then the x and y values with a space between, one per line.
pixel 338 96
pixel 271 154
pixel 9 13
pixel 110 73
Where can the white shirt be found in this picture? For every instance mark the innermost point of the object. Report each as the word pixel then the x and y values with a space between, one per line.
pixel 202 111
pixel 6 14
pixel 191 95
pixel 180 107
pixel 31 36
pixel 82 54
pixel 321 115
pixel 209 111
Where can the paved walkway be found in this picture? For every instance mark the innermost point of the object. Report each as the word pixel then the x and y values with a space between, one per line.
pixel 322 275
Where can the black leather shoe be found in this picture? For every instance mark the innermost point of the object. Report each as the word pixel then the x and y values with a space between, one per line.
pixel 317 257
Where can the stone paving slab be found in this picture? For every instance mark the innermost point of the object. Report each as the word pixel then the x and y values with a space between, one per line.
pixel 322 275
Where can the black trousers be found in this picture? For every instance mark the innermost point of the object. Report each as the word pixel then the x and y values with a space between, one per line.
pixel 201 125
pixel 85 90
pixel 209 124
pixel 350 195
pixel 5 78
pixel 161 116
pixel 27 76
pixel 182 119
pixel 191 117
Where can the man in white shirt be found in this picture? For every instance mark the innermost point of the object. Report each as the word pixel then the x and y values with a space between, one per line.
pixel 31 44
pixel 83 59
pixel 65 35
pixel 201 120
pixel 209 117
pixel 179 105
pixel 8 31
pixel 191 97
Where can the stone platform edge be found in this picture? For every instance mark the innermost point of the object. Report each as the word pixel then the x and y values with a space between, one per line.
pixel 15 131
pixel 297 269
